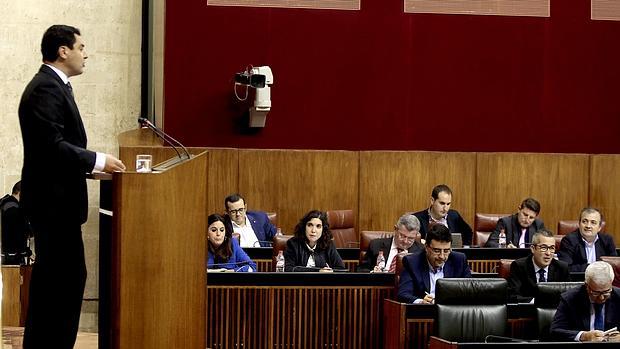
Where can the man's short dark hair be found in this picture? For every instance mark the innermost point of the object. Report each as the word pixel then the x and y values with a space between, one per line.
pixel 17 188
pixel 233 198
pixel 532 204
pixel 438 232
pixel 440 188
pixel 56 36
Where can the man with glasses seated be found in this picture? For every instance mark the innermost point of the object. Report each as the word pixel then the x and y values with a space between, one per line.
pixel 539 266
pixel 253 227
pixel 421 270
pixel 406 231
pixel 586 312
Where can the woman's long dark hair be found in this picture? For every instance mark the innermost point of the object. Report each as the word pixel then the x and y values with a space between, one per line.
pixel 222 253
pixel 326 236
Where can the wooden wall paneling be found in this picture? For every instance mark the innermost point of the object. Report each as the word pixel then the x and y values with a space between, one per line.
pixel 392 183
pixel 605 191
pixel 223 177
pixel 11 300
pixel 558 181
pixel 292 182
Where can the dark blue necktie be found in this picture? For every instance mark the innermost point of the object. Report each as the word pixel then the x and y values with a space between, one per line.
pixel 541 275
pixel 599 322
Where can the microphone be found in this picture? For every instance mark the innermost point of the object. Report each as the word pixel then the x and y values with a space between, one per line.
pixel 261 242
pixel 144 122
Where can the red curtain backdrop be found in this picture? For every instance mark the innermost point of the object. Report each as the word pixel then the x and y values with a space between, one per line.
pixel 381 79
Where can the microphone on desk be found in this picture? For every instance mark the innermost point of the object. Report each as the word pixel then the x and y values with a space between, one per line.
pixel 144 122
pixel 261 242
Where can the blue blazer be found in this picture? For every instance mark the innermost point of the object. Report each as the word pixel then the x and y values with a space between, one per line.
pixel 456 224
pixel 236 261
pixel 414 279
pixel 264 230
pixel 573 314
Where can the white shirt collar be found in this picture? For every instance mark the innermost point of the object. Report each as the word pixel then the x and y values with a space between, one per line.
pixel 60 73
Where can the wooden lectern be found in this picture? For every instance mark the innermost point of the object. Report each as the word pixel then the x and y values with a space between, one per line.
pixel 157 258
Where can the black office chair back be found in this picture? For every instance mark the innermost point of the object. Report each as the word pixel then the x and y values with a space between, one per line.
pixel 546 302
pixel 468 310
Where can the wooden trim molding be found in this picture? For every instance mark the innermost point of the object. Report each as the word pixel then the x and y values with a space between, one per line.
pixel 307 4
pixel 530 8
pixel 608 10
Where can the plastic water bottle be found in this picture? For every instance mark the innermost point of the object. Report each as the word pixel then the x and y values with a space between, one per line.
pixel 280 262
pixel 502 239
pixel 380 262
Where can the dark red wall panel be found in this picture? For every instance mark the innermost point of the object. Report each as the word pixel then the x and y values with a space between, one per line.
pixel 379 78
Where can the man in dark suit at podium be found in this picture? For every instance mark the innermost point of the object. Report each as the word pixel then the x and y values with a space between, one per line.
pixel 422 270
pixel 539 266
pixel 406 230
pixel 586 311
pixel 54 195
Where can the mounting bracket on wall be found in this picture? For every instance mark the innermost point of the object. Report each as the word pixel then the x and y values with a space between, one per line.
pixel 261 79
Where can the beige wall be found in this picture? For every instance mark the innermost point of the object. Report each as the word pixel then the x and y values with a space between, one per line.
pixel 108 92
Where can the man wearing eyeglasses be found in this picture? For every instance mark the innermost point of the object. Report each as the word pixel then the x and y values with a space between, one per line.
pixel 405 240
pixel 587 244
pixel 539 266
pixel 587 313
pixel 254 227
pixel 422 270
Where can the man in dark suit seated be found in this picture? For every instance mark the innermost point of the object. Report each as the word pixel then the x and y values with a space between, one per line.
pixel 520 227
pixel 540 266
pixel 586 245
pixel 406 230
pixel 421 270
pixel 254 227
pixel 586 311
pixel 440 212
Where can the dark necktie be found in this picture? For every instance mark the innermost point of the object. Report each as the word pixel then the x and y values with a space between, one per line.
pixel 541 275
pixel 599 322
pixel 70 88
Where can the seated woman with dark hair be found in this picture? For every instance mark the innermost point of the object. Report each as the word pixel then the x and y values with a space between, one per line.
pixel 224 251
pixel 312 245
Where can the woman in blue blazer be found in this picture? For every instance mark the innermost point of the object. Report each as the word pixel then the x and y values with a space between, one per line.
pixel 224 251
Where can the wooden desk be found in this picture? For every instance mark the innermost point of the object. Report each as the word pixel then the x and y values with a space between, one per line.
pixel 296 310
pixel 15 289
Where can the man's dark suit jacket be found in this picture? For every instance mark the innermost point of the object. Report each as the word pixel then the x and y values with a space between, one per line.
pixel 55 156
pixel 414 279
pixel 512 228
pixel 456 224
pixel 573 250
pixel 573 314
pixel 384 244
pixel 264 230
pixel 522 281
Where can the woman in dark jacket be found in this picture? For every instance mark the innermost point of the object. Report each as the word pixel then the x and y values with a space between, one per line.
pixel 312 245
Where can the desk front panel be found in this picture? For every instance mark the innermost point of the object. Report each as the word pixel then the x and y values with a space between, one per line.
pixel 346 312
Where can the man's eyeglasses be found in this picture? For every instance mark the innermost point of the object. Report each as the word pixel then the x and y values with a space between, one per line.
pixel 545 248
pixel 237 211
pixel 605 293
